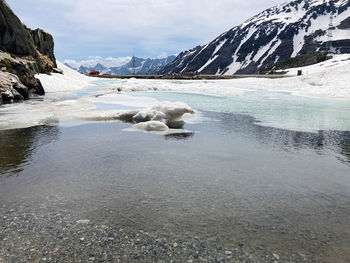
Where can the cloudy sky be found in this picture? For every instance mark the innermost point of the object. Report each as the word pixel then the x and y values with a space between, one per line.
pixel 148 28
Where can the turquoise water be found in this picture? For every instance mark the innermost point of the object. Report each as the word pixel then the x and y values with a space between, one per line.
pixel 276 109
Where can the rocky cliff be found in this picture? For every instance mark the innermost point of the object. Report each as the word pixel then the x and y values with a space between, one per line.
pixel 23 53
pixel 285 31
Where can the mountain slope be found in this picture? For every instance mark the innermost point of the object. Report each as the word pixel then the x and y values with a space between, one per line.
pixel 276 34
pixel 141 67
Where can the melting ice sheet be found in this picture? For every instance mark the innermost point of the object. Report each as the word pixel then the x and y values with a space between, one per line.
pixel 144 113
pixel 276 109
pixel 274 103
pixel 73 97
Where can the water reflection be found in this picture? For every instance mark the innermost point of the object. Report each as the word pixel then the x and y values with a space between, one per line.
pixel 344 146
pixel 179 136
pixel 17 146
pixel 288 140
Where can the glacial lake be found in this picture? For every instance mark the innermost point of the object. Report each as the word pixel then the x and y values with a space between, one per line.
pixel 268 171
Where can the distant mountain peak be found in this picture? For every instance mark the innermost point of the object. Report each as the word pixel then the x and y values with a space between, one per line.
pixel 276 34
pixel 142 66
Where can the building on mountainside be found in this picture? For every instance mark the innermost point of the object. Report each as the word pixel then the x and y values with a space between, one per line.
pixel 94 73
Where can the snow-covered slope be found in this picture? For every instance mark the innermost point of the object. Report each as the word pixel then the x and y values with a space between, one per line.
pixel 335 62
pixel 70 80
pixel 328 79
pixel 278 33
pixel 141 66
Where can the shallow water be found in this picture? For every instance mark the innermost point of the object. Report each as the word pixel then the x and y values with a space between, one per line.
pixel 266 170
pixel 231 182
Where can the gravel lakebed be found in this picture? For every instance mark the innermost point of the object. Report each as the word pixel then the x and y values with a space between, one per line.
pixel 27 236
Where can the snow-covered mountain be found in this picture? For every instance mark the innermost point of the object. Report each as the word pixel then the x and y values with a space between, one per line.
pixel 281 32
pixel 140 66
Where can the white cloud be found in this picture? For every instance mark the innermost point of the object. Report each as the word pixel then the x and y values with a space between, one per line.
pixel 147 27
pixel 162 55
pixel 155 20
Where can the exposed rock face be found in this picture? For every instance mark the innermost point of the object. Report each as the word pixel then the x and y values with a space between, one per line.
pixel 11 89
pixel 23 52
pixel 276 34
pixel 299 61
pixel 44 43
pixel 15 38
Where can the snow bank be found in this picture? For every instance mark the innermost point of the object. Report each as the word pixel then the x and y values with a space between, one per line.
pixel 69 81
pixel 328 79
pixel 335 62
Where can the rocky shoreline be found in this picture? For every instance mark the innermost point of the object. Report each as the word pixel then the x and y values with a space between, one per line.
pixel 23 53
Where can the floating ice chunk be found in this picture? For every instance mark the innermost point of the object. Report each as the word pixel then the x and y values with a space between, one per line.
pixel 150 115
pixel 166 112
pixel 157 118
pixel 151 126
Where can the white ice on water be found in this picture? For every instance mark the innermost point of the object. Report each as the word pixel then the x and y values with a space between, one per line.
pixel 56 106
pixel 329 79
pixel 158 117
pixel 151 126
pixel 165 112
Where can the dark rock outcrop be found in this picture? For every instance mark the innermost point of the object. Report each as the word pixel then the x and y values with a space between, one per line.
pixel 24 52
pixel 299 61
pixel 14 37
pixel 44 43
pixel 11 89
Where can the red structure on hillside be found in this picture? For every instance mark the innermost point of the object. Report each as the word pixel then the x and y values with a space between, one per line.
pixel 94 73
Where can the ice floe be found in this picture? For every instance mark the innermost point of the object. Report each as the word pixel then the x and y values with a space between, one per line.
pixel 66 101
pixel 158 117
